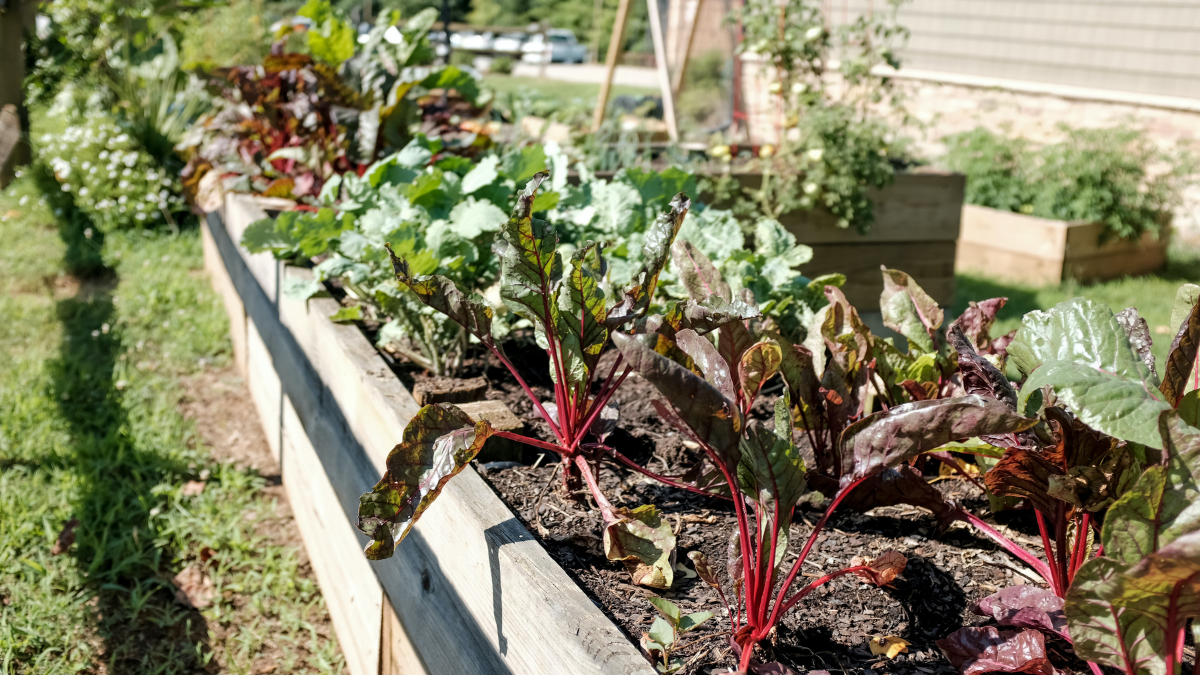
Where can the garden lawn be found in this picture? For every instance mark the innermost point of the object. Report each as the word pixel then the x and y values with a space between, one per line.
pixel 1153 295
pixel 98 342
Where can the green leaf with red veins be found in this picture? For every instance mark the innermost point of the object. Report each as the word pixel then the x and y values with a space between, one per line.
pixel 706 316
pixel 699 276
pixel 656 248
pixel 772 473
pixel 581 313
pixel 530 265
pixel 643 540
pixel 908 309
pixel 1164 503
pixel 1181 359
pixel 469 311
pixel 885 439
pixel 438 443
pixel 1108 633
pixel 713 418
pixel 758 364
pixel 704 354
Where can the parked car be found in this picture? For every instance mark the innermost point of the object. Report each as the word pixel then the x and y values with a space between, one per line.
pixel 509 43
pixel 564 48
pixel 470 41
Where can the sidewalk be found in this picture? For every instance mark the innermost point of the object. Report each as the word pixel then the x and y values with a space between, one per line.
pixel 587 73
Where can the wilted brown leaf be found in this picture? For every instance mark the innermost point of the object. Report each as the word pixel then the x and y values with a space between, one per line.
pixel 883 570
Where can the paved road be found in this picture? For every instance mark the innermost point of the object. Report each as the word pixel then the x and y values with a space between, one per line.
pixel 587 73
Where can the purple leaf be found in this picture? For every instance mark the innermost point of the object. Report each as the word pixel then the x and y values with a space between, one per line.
pixel 1025 607
pixel 987 650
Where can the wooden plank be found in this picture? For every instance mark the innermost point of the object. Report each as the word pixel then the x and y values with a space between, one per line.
pixel 237 213
pixel 1117 264
pixel 397 655
pixel 930 263
pixel 1084 240
pixel 660 67
pixel 474 591
pixel 223 285
pixel 615 44
pixel 1013 266
pixel 916 207
pixel 352 593
pixel 1014 232
pixel 443 579
pixel 266 389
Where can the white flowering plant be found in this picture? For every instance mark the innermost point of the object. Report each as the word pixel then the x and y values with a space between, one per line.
pixel 110 177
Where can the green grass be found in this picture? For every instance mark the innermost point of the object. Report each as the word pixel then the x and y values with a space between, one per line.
pixel 1153 295
pixel 565 92
pixel 90 429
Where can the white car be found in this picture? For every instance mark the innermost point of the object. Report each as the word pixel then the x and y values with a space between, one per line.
pixel 472 41
pixel 509 43
pixel 564 48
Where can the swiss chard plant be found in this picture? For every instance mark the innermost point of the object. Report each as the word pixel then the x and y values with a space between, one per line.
pixel 290 124
pixel 1109 471
pixel 710 377
pixel 666 633
pixel 574 321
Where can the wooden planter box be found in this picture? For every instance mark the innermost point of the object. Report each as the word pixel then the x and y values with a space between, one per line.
pixel 470 590
pixel 1039 251
pixel 916 228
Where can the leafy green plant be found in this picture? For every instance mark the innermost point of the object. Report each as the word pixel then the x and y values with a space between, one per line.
pixel 664 635
pixel 1112 176
pixel 574 323
pixel 110 177
pixel 833 147
pixel 1115 446
pixel 709 389
pixel 439 212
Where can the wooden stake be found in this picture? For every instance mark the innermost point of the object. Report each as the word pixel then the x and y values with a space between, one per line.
pixel 610 62
pixel 664 77
pixel 686 50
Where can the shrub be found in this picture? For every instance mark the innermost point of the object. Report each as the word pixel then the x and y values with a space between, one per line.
pixel 502 65
pixel 116 183
pixel 1113 176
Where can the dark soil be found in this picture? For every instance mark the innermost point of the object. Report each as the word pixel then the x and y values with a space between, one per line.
pixel 947 570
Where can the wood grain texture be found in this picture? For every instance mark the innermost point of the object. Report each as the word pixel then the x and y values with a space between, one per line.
pixel 471 588
pixel 356 606
pixel 931 264
pixel 1040 251
pixel 266 389
pixel 219 279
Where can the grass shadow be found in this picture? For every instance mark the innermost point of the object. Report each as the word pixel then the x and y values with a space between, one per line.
pixel 120 471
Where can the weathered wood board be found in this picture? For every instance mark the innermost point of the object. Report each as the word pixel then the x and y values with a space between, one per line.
pixel 470 590
pixel 1039 251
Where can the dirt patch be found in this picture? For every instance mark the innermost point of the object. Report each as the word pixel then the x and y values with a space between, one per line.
pixel 947 570
pixel 219 403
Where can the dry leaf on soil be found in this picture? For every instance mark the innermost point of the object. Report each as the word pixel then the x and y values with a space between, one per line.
pixel 888 645
pixel 194 588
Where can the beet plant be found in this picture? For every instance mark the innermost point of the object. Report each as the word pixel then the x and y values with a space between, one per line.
pixel 573 323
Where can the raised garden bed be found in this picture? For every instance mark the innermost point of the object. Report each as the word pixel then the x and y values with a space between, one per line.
pixel 915 229
pixel 481 586
pixel 1040 251
pixel 470 591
